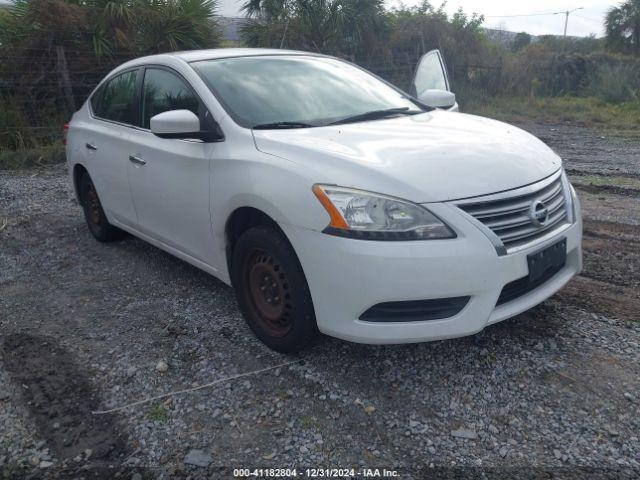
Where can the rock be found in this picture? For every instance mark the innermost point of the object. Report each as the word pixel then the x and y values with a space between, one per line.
pixel 136 476
pixel 503 452
pixel 45 464
pixel 557 454
pixel 198 458
pixel 628 396
pixel 162 366
pixel 369 409
pixel 466 434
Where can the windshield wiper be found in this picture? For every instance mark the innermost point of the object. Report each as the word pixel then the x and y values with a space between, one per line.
pixel 376 114
pixel 269 126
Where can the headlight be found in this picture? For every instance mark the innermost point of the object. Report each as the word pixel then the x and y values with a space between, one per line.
pixel 370 216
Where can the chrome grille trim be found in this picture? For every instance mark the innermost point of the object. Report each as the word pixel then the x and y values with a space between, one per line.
pixel 507 214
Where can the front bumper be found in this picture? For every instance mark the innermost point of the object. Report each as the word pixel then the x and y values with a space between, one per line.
pixel 346 277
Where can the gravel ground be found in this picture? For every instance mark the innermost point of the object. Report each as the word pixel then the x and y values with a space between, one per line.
pixel 87 326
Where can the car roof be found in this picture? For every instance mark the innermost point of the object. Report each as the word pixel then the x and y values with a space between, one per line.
pixel 210 54
pixel 196 55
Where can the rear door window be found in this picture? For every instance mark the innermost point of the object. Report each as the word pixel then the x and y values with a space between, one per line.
pixel 115 100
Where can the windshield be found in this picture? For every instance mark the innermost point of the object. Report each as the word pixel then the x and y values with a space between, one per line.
pixel 298 91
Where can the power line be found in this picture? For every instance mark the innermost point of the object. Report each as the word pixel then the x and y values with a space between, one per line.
pixel 522 15
pixel 590 19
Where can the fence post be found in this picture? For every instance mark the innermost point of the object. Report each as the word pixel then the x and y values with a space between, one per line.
pixel 63 78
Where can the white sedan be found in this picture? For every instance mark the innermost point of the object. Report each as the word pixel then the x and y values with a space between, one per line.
pixel 330 200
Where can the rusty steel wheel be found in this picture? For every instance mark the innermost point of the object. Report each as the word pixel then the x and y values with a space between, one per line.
pixel 272 290
pixel 268 288
pixel 93 204
pixel 96 219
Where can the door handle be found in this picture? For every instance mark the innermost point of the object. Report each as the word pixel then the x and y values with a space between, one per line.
pixel 137 160
pixel 90 146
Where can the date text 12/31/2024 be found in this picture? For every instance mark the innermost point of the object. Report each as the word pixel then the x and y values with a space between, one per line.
pixel 315 473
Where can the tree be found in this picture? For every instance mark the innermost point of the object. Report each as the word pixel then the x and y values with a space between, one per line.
pixel 522 40
pixel 339 27
pixel 53 52
pixel 417 30
pixel 622 27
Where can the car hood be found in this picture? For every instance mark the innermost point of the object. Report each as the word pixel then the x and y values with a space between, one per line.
pixel 430 157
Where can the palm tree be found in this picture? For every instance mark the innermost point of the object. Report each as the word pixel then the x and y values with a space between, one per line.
pixel 623 27
pixel 53 52
pixel 328 26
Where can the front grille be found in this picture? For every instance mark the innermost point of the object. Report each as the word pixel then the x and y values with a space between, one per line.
pixel 523 285
pixel 510 218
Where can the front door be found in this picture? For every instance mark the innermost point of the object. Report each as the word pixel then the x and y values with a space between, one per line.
pixel 169 178
pixel 431 74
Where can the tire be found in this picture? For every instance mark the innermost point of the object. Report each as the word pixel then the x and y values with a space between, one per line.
pixel 272 290
pixel 96 219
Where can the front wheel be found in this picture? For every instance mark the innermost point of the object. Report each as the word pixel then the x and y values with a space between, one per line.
pixel 272 290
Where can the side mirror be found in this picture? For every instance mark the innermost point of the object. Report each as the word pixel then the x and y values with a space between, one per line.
pixel 438 98
pixel 182 124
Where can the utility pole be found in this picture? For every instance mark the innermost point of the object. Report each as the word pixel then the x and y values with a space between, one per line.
pixel 566 18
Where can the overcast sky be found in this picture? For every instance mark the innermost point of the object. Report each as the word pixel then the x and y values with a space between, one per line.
pixel 582 23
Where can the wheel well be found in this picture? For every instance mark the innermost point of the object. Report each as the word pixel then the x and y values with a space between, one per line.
pixel 78 172
pixel 242 220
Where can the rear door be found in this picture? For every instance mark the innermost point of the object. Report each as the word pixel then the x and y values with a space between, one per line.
pixel 107 141
pixel 169 178
pixel 431 74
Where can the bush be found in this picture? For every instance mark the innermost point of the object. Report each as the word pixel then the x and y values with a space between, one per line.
pixel 32 157
pixel 21 131
pixel 614 84
pixel 13 126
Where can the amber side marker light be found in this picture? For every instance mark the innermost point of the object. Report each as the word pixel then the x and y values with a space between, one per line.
pixel 337 220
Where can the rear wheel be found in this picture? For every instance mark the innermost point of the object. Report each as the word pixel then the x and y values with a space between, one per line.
pixel 272 290
pixel 96 219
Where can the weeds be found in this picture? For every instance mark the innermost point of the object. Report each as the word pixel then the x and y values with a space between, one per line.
pixel 32 157
pixel 589 112
pixel 158 413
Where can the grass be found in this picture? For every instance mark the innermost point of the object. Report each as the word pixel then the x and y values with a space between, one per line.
pixel 588 112
pixel 158 413
pixel 32 157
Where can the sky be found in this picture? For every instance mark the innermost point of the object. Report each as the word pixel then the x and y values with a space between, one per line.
pixel 581 23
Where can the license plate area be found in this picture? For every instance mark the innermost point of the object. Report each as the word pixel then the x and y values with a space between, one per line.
pixel 553 256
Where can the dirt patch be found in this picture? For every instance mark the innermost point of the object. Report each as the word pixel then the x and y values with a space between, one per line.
pixel 60 397
pixel 629 192
pixel 601 298
pixel 612 254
